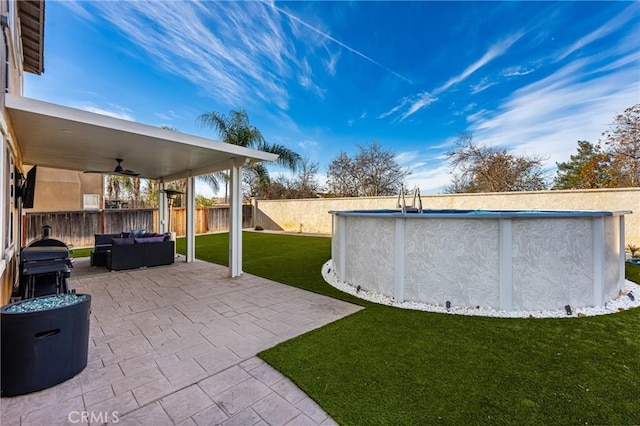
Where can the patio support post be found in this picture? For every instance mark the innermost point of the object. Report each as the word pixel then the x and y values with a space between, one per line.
pixel 598 253
pixel 235 218
pixel 191 214
pixel 162 208
pixel 621 276
pixel 505 250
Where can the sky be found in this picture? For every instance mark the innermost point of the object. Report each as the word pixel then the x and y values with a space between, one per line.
pixel 326 77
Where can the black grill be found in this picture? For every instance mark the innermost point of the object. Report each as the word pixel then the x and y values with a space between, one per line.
pixel 45 267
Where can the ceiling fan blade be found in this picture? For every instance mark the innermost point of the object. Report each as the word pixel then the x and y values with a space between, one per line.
pixel 119 170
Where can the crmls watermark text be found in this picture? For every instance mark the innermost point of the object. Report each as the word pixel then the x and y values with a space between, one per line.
pixel 99 417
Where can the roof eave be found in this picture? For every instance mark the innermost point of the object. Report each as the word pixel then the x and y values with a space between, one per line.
pixel 31 15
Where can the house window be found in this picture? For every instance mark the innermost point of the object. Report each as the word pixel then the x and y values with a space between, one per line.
pixel 91 202
pixel 8 189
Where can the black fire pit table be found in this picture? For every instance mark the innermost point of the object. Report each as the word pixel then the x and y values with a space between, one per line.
pixel 44 341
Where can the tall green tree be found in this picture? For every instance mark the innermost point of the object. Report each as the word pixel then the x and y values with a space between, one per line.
pixel 236 129
pixel 589 168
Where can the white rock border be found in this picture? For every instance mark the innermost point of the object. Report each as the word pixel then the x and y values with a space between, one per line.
pixel 622 302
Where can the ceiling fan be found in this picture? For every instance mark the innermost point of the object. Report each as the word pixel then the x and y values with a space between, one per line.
pixel 119 170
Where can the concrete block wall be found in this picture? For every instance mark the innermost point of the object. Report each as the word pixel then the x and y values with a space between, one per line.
pixel 311 215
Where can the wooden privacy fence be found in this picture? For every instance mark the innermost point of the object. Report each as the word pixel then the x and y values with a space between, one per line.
pixel 77 228
pixel 208 219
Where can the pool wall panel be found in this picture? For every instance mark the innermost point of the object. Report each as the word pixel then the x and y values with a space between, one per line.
pixel 552 263
pixel 370 253
pixel 454 260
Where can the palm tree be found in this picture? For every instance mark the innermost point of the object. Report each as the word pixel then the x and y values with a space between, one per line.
pixel 236 129
pixel 209 179
pixel 118 186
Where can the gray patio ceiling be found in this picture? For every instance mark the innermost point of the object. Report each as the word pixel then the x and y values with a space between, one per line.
pixel 56 136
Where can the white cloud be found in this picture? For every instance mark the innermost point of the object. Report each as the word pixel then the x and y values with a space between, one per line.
pixel 482 85
pixel 309 144
pixel 338 42
pixel 76 7
pixel 516 71
pixel 248 56
pixel 423 100
pixel 406 158
pixel 305 79
pixel 168 116
pixel 413 103
pixel 395 109
pixel 332 62
pixel 549 116
pixel 494 51
pixel 609 27
pixel 114 111
pixel 430 178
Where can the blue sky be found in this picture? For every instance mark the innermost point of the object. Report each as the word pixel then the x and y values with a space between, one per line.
pixel 323 77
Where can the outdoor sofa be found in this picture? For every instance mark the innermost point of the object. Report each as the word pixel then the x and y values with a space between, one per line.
pixel 122 251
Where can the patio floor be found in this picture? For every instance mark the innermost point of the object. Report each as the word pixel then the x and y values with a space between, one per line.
pixel 177 345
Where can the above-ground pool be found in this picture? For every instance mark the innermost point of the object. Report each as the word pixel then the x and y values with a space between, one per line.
pixel 504 260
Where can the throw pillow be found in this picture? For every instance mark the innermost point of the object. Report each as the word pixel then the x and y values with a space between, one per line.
pixel 136 233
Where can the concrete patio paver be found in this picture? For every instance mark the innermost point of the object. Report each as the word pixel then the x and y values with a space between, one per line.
pixel 177 345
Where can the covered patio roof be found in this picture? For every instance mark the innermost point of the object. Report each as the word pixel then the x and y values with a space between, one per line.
pixel 60 137
pixel 51 135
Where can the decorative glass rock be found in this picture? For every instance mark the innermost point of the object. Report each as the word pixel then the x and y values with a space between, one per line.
pixel 45 303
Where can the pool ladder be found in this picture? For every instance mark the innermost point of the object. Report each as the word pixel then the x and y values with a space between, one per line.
pixel 402 202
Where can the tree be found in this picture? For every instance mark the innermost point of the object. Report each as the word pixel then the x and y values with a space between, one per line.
pixel 303 185
pixel 181 184
pixel 307 185
pixel 236 129
pixel 623 142
pixel 372 172
pixel 151 193
pixel 589 168
pixel 202 201
pixel 121 188
pixel 488 169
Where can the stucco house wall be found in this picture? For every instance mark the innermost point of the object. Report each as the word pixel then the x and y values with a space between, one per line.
pixel 64 190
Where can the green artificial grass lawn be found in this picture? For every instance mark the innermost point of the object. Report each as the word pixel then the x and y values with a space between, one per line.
pixel 385 365
pixel 80 252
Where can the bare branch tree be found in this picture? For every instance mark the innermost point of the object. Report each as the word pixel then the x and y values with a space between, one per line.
pixel 372 172
pixel 303 185
pixel 483 168
pixel 623 141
